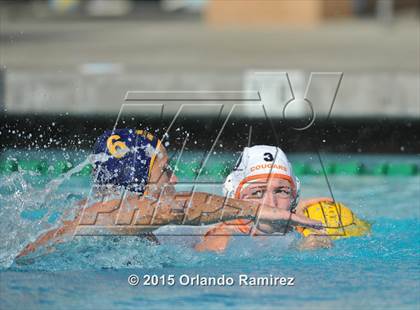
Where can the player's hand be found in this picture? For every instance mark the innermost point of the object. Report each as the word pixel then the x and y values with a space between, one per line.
pixel 274 215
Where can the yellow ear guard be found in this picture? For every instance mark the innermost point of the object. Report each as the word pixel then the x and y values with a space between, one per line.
pixel 340 221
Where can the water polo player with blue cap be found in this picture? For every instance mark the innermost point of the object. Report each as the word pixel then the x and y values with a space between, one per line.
pixel 129 159
pixel 135 160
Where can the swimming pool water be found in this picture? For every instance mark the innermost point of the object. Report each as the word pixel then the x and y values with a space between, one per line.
pixel 373 272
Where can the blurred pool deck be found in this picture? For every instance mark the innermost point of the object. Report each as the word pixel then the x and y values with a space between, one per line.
pixel 86 66
pixel 190 45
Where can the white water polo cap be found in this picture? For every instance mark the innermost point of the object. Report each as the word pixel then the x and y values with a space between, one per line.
pixel 259 162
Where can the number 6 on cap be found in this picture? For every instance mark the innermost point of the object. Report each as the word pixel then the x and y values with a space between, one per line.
pixel 116 148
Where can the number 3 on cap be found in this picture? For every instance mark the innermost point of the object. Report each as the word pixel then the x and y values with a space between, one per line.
pixel 116 148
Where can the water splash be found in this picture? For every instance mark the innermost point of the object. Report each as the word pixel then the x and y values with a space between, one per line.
pixel 27 210
pixel 53 185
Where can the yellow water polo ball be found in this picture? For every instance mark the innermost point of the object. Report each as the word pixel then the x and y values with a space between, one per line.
pixel 339 220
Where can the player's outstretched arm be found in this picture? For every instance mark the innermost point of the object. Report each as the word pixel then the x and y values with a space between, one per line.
pixel 144 215
pixel 203 209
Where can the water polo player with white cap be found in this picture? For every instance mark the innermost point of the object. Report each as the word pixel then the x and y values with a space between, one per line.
pixel 259 165
pixel 262 174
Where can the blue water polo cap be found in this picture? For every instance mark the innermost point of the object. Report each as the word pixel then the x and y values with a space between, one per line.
pixel 128 157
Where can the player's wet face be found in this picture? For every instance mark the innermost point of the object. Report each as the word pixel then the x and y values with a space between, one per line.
pixel 272 192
